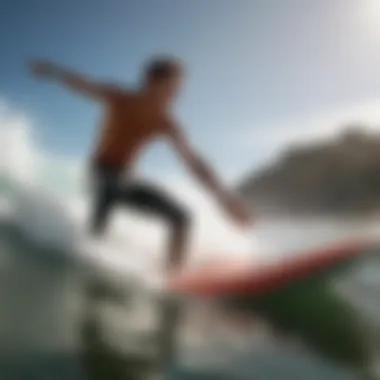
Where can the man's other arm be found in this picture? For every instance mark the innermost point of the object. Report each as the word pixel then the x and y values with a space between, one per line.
pixel 203 172
pixel 71 79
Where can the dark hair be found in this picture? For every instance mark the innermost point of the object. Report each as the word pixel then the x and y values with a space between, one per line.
pixel 162 68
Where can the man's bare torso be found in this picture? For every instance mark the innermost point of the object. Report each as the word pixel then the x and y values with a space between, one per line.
pixel 131 121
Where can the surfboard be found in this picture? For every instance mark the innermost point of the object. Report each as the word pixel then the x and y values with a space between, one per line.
pixel 231 278
pixel 296 295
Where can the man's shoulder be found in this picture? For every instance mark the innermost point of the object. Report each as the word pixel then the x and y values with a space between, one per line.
pixel 171 127
pixel 169 121
pixel 118 90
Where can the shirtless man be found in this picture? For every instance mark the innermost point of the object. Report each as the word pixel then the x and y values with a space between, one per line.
pixel 132 119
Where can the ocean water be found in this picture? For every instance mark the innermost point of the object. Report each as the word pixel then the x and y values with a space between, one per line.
pixel 71 308
pixel 70 316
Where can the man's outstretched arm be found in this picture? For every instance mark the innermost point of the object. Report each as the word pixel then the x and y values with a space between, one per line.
pixel 206 176
pixel 74 81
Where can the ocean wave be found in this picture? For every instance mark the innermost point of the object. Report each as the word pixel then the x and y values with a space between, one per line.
pixel 51 223
pixel 39 214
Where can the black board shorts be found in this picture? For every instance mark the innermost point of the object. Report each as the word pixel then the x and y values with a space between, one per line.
pixel 112 187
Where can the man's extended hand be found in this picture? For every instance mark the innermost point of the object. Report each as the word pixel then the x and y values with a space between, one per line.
pixel 238 211
pixel 42 69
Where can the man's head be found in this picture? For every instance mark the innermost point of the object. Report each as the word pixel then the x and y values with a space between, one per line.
pixel 164 76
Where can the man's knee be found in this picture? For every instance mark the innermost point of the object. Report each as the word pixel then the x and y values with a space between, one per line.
pixel 179 219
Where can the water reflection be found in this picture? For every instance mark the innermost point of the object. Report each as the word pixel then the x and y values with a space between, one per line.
pixel 60 320
pixel 39 305
pixel 99 358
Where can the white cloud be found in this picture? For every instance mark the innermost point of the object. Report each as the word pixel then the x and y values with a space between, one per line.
pixel 18 155
pixel 22 158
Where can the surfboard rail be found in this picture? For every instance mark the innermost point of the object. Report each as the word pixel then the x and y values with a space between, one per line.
pixel 242 278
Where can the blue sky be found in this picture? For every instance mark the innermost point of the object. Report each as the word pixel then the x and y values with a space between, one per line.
pixel 254 65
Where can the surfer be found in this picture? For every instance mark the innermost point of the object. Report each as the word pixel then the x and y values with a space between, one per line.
pixel 132 119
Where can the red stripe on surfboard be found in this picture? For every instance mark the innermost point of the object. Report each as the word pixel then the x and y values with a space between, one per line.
pixel 240 279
